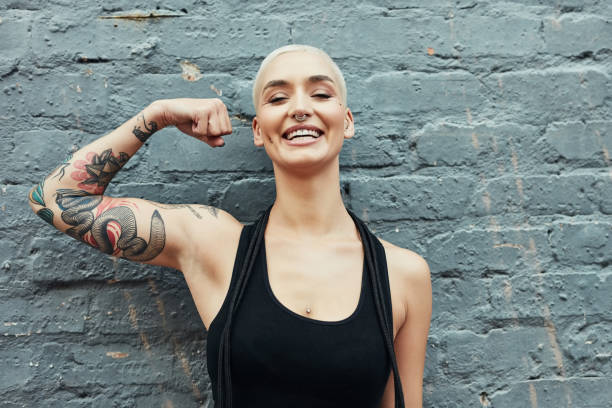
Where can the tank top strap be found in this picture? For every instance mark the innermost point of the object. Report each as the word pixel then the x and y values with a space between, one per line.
pixel 381 259
pixel 243 243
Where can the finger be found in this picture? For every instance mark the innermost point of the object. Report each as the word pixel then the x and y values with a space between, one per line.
pixel 200 125
pixel 213 124
pixel 215 141
pixel 227 123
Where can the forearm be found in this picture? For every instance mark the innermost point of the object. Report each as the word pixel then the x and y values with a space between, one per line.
pixel 88 171
pixel 92 168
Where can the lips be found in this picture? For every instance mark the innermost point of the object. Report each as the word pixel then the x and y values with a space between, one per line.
pixel 302 131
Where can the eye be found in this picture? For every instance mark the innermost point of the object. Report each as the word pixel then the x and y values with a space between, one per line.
pixel 322 95
pixel 275 99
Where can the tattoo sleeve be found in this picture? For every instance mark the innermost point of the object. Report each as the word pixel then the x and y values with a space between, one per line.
pixel 97 170
pixel 149 128
pixel 71 197
pixel 37 197
pixel 110 228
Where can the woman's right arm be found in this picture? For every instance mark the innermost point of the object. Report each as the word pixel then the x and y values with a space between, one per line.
pixel 72 198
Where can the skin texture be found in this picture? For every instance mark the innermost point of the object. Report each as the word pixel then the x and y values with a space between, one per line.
pixel 308 216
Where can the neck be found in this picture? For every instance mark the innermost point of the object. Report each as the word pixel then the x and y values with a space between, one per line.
pixel 310 205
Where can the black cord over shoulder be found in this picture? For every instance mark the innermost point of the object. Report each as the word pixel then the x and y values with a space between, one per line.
pixel 369 241
pixel 224 375
pixel 385 319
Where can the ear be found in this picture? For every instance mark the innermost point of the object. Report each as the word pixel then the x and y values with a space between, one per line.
pixel 349 124
pixel 257 138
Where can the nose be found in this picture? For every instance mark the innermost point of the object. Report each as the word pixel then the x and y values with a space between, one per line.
pixel 300 104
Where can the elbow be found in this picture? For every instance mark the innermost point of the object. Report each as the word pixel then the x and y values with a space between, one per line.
pixel 37 203
pixel 34 204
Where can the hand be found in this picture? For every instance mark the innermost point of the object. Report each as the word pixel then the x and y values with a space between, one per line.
pixel 205 119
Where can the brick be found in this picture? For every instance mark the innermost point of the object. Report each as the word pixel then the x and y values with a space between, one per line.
pixel 591 142
pixel 472 34
pixel 108 364
pixel 58 311
pixel 170 399
pixel 578 93
pixel 101 37
pixel 122 310
pixel 477 145
pixel 150 87
pixel 75 95
pixel 586 243
pixel 465 294
pixel 556 393
pixel 56 257
pixel 15 208
pixel 36 153
pixel 508 354
pixel 495 250
pixel 205 38
pixel 539 195
pixel 564 294
pixel 586 345
pixel 374 146
pixel 260 195
pixel 14 31
pixel 15 368
pixel 603 194
pixel 413 197
pixel 574 34
pixel 401 93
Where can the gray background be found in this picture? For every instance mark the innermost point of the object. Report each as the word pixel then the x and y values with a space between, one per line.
pixel 483 143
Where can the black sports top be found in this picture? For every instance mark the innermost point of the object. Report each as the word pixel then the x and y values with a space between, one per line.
pixel 282 359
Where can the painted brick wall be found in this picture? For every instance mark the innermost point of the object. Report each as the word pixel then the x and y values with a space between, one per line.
pixel 483 143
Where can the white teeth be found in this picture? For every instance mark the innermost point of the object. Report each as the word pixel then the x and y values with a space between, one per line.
pixel 303 132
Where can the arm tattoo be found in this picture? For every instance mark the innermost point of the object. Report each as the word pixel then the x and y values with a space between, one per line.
pixel 37 197
pixel 96 172
pixel 211 210
pixel 62 167
pixel 149 130
pixel 113 231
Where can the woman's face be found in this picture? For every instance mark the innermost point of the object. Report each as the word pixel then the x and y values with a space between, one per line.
pixel 303 84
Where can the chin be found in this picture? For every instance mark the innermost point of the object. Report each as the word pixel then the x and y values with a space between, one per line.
pixel 305 162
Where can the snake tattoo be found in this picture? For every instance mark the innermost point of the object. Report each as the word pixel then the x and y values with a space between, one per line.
pixel 77 210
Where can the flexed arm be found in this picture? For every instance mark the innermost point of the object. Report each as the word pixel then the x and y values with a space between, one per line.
pixel 72 198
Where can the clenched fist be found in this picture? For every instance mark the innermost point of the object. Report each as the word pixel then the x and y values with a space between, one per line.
pixel 204 119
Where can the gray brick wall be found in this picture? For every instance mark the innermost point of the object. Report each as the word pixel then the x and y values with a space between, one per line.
pixel 483 143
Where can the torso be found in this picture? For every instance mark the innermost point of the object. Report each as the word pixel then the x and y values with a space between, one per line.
pixel 322 276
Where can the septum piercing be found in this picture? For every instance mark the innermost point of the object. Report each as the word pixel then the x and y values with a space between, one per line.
pixel 300 118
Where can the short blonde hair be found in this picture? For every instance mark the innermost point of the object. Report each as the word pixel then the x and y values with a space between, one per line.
pixel 292 48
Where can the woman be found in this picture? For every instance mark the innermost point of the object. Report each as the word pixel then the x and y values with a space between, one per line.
pixel 305 307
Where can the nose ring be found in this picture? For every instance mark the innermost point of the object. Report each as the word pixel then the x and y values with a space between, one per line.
pixel 300 118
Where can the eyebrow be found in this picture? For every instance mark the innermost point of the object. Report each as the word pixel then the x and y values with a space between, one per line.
pixel 311 79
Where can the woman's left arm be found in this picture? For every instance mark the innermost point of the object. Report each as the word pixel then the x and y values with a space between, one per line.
pixel 411 340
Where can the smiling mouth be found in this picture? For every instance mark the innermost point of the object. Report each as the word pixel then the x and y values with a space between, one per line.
pixel 302 133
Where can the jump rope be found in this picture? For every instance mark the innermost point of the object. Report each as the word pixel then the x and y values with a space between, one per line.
pixel 224 385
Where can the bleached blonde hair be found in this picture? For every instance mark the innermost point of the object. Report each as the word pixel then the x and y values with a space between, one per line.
pixel 257 85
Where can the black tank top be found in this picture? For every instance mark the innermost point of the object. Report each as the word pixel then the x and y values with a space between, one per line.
pixel 282 359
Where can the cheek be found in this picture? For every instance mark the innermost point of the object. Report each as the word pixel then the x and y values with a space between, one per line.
pixel 333 112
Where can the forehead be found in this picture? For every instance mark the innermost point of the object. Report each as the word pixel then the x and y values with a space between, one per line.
pixel 296 65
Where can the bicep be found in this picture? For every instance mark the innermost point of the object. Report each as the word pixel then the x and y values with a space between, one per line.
pixel 131 228
pixel 411 340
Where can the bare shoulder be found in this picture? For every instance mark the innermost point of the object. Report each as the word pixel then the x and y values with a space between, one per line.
pixel 410 281
pixel 407 264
